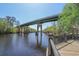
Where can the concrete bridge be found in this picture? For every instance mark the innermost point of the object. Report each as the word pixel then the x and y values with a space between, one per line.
pixel 39 22
pixel 51 50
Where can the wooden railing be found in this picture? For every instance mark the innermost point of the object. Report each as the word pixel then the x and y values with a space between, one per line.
pixel 51 50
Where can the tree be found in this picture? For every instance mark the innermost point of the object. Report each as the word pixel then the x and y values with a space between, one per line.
pixel 7 24
pixel 69 18
pixel 10 21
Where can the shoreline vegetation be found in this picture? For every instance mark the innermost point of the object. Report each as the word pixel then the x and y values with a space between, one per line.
pixel 68 21
pixel 8 25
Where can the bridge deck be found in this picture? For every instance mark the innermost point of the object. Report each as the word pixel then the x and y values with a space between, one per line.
pixel 41 20
pixel 72 49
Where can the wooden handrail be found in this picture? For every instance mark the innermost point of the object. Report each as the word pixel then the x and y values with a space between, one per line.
pixel 52 50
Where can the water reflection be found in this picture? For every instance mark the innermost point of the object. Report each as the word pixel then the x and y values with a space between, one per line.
pixel 22 44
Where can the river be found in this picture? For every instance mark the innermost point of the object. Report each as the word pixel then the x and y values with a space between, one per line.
pixel 22 45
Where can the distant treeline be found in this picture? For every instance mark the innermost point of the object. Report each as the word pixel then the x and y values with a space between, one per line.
pixel 8 25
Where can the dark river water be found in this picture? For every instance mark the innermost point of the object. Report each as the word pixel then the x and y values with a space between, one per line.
pixel 22 45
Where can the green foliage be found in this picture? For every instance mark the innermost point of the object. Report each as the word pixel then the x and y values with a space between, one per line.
pixel 69 17
pixel 68 20
pixel 32 30
pixel 29 29
pixel 7 24
pixel 11 30
pixel 14 30
pixel 52 29
pixel 3 24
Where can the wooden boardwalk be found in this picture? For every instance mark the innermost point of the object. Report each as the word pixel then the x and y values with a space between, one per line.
pixel 70 48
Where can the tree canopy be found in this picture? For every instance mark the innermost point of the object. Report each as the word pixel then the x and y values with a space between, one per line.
pixel 7 25
pixel 69 18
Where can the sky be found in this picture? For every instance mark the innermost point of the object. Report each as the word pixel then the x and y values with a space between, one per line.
pixel 26 12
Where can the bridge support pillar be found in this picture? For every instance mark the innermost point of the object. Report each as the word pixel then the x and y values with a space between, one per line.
pixel 24 30
pixel 37 35
pixel 41 34
pixel 21 30
pixel 18 29
pixel 39 26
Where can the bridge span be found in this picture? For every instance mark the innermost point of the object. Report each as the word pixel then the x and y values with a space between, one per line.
pixel 51 50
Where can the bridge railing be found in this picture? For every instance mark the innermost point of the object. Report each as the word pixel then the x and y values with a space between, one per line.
pixel 51 50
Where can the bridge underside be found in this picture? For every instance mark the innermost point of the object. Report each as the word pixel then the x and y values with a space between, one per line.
pixel 39 23
pixel 41 20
